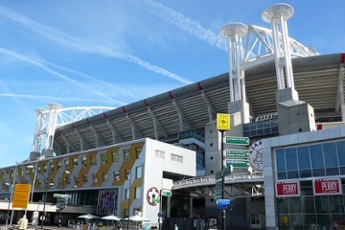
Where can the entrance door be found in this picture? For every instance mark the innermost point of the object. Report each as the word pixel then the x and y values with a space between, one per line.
pixel 255 221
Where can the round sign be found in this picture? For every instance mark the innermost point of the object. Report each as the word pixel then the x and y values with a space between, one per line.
pixel 42 218
pixel 256 156
pixel 159 214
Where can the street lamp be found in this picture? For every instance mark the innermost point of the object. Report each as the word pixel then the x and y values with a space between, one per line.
pixel 46 180
pixel 33 183
pixel 11 197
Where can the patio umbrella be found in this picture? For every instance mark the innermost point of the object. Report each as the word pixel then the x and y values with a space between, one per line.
pixel 137 219
pixel 111 217
pixel 88 216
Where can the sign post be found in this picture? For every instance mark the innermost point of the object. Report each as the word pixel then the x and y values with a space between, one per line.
pixel 223 124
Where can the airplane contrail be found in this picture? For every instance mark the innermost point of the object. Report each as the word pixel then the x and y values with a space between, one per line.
pixel 83 45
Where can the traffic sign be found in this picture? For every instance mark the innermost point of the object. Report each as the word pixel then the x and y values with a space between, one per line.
pixel 227 171
pixel 167 193
pixel 21 195
pixel 217 195
pixel 237 153
pixel 238 163
pixel 65 196
pixel 218 186
pixel 236 140
pixel 223 121
pixel 159 214
pixel 219 175
pixel 223 201
pixel 221 206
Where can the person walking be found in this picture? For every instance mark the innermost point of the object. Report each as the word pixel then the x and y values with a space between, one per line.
pixel 23 223
pixel 175 227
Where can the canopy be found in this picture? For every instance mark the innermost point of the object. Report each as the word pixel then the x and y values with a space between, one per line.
pixel 111 217
pixel 88 216
pixel 137 218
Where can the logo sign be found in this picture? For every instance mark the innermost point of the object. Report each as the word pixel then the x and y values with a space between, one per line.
pixel 223 121
pixel 237 153
pixel 284 189
pixel 236 140
pixel 256 156
pixel 327 186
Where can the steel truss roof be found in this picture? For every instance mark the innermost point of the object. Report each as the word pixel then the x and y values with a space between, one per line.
pixel 317 80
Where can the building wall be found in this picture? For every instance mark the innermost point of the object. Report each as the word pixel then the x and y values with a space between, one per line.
pixel 270 167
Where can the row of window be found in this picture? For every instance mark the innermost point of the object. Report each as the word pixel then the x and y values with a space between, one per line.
pixel 322 159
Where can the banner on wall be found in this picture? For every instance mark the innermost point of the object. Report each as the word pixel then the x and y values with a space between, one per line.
pixel 287 189
pixel 327 186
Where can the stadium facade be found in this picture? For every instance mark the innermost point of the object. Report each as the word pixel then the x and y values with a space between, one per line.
pixel 285 100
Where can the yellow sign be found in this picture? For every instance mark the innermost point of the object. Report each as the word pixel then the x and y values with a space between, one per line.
pixel 223 121
pixel 21 195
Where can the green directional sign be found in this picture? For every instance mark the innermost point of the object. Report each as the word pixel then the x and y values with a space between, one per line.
pixel 236 140
pixel 65 196
pixel 166 193
pixel 219 175
pixel 217 195
pixel 237 163
pixel 237 153
pixel 218 186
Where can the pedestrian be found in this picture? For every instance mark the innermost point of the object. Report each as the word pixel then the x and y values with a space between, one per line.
pixel 146 227
pixel 23 223
pixel 176 227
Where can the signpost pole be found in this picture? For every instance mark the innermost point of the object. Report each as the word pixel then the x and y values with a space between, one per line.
pixel 160 209
pixel 223 222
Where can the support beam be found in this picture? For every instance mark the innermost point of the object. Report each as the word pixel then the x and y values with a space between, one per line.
pixel 157 124
pixel 135 131
pixel 82 141
pixel 182 118
pixel 98 137
pixel 114 132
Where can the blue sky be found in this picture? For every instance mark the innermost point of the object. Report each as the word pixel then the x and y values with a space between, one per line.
pixel 112 53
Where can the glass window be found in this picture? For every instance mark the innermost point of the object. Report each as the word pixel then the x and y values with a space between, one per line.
pixel 128 174
pixel 127 193
pixel 83 161
pixel 94 178
pixel 75 162
pixel 116 175
pixel 341 152
pixel 85 178
pixel 115 156
pixel 280 159
pixel 104 158
pixel 105 177
pixel 139 172
pixel 331 160
pixel 138 152
pixel 59 165
pixel 137 192
pixel 303 161
pixel 76 180
pixel 52 167
pixel 93 160
pixel 126 155
pixel 291 159
pixel 67 164
pixel 317 161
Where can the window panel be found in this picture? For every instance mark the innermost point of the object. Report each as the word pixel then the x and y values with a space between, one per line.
pixel 291 159
pixel 330 155
pixel 139 172
pixel 126 155
pixel 137 192
pixel 104 158
pixel 341 152
pixel 138 152
pixel 280 160
pixel 93 160
pixel 115 156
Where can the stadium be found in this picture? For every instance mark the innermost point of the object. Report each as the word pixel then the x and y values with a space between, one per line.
pixel 164 158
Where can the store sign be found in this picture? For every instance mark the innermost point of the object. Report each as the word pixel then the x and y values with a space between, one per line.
pixel 327 186
pixel 284 189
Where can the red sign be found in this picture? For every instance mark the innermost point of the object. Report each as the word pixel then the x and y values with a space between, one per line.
pixel 284 189
pixel 327 186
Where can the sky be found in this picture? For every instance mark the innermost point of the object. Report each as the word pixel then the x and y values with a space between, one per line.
pixel 115 52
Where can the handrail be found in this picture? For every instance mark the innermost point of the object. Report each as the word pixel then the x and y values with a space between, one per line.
pixel 212 178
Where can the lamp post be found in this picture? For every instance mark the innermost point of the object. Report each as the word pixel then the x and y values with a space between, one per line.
pixel 129 198
pixel 43 217
pixel 11 197
pixel 33 183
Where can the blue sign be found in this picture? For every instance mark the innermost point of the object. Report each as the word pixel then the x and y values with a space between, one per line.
pixel 223 201
pixel 159 214
pixel 221 206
